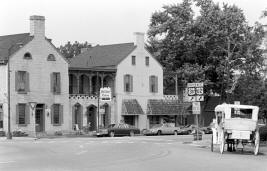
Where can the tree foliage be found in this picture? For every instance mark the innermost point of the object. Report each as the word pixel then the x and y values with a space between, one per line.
pixel 69 50
pixel 213 44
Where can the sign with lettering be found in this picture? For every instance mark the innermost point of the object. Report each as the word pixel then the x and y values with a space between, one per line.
pixel 195 92
pixel 196 108
pixel 105 94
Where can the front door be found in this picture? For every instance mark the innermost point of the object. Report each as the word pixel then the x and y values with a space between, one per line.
pixel 39 118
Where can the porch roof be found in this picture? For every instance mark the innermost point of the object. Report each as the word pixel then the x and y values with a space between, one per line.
pixel 167 107
pixel 131 107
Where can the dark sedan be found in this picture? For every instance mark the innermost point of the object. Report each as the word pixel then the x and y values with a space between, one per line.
pixel 119 130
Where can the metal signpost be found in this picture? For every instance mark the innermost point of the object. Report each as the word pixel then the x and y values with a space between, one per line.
pixel 195 93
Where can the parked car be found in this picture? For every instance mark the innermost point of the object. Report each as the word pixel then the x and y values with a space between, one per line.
pixel 120 129
pixel 206 130
pixel 263 132
pixel 160 129
pixel 187 129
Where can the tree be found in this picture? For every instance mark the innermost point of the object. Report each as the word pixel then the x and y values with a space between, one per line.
pixel 70 50
pixel 218 41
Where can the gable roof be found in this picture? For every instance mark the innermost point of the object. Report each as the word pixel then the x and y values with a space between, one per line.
pixel 9 44
pixel 102 57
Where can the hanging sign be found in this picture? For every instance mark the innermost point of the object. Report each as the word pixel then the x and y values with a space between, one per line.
pixel 105 94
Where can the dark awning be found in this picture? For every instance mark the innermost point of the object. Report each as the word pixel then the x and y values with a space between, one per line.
pixel 131 107
pixel 167 107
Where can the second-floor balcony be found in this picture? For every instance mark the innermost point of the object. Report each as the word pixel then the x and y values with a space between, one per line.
pixel 85 84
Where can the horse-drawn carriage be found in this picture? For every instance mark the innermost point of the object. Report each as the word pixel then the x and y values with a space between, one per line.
pixel 235 125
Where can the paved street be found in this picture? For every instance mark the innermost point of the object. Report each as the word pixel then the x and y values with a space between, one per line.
pixel 123 153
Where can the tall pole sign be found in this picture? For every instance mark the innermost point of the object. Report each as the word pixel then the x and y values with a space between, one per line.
pixel 195 94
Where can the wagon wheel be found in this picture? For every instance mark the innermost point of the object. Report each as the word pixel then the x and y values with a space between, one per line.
pixel 222 143
pixel 256 143
pixel 211 144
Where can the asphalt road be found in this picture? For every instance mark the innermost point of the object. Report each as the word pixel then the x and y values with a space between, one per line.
pixel 157 153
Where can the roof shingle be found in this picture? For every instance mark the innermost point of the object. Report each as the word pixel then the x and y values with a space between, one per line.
pixel 9 44
pixel 107 56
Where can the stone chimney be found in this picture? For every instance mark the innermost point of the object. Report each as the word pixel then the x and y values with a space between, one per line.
pixel 37 26
pixel 139 40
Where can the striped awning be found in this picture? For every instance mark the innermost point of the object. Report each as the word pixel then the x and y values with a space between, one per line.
pixel 167 107
pixel 131 107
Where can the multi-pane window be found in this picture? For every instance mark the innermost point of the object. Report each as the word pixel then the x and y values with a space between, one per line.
pixel 51 57
pixel 153 84
pixel 56 114
pixel 22 81
pixel 128 83
pixel 27 55
pixel 147 61
pixel 1 116
pixel 133 60
pixel 22 113
pixel 55 82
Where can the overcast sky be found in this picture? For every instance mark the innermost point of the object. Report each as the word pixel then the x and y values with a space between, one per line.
pixel 96 21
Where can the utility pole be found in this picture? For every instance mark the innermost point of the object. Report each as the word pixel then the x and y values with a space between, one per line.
pixel 97 80
pixel 9 135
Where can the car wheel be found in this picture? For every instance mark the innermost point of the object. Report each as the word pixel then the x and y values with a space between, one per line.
pixel 175 133
pixel 159 133
pixel 131 134
pixel 111 134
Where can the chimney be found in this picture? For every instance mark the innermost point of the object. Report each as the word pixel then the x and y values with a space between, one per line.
pixel 37 26
pixel 139 40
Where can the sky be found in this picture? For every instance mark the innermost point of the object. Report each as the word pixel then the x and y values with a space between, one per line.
pixel 97 21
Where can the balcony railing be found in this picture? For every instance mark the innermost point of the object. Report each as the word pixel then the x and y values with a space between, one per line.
pixel 82 97
pixel 170 97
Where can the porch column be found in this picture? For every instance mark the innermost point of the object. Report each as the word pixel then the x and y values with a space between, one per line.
pixel 78 83
pixel 102 80
pixel 90 84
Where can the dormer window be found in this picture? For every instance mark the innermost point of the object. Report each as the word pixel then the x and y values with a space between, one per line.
pixel 27 55
pixel 51 57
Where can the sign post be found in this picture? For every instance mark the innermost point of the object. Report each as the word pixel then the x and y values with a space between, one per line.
pixel 195 93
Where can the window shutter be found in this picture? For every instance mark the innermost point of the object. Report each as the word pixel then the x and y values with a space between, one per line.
pixel 16 80
pixel 58 83
pixel 52 114
pixel 81 119
pixel 17 114
pixel 27 82
pixel 131 83
pixel 73 116
pixel 27 114
pixel 156 84
pixel 52 82
pixel 61 114
pixel 124 81
pixel 150 84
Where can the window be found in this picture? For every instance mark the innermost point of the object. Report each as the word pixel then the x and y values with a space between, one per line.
pixel 22 81
pixel 128 83
pixel 51 57
pixel 56 114
pixel 55 82
pixel 1 115
pixel 147 61
pixel 27 55
pixel 22 114
pixel 153 84
pixel 133 60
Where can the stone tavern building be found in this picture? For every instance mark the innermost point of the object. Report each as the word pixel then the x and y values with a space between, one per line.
pixel 49 93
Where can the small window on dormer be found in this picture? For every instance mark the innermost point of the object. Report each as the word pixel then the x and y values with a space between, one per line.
pixel 51 57
pixel 27 55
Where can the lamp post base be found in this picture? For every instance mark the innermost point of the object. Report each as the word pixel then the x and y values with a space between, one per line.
pixel 9 136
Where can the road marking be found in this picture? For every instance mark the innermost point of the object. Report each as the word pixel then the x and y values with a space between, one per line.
pixel 81 152
pixel 6 162
pixel 50 142
pixel 81 146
